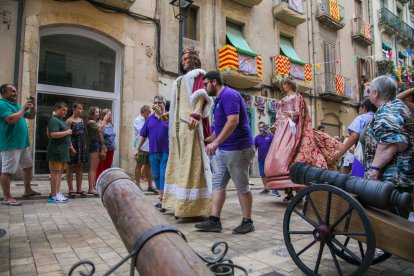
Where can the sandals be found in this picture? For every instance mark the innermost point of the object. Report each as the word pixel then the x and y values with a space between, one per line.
pixel 82 193
pixel 72 195
pixel 11 202
pixel 152 189
pixel 32 193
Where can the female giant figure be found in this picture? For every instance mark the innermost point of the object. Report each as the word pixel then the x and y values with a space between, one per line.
pixel 295 141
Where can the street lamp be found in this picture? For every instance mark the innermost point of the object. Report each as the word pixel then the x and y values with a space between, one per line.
pixel 183 7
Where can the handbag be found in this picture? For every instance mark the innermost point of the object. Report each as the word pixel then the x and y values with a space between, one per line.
pixel 359 152
pixel 102 153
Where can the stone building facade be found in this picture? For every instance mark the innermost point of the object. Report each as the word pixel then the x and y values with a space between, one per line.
pixel 120 56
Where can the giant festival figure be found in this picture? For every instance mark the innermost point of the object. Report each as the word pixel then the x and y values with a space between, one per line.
pixel 188 176
pixel 295 141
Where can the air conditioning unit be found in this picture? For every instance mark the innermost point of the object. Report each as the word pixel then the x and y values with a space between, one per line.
pixel 122 4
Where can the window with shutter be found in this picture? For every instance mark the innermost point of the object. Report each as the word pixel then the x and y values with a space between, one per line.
pixel 330 71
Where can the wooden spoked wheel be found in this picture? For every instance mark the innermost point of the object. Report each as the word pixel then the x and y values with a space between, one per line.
pixel 322 222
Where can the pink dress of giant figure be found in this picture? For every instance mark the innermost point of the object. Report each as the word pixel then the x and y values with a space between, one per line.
pixel 295 141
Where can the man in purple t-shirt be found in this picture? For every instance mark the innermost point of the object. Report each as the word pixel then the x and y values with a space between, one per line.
pixel 156 129
pixel 262 143
pixel 232 143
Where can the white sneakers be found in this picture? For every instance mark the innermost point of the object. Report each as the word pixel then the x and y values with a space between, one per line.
pixel 59 198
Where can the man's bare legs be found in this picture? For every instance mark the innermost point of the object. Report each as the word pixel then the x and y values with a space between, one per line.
pixel 218 198
pixel 138 175
pixel 246 203
pixel 5 179
pixel 148 174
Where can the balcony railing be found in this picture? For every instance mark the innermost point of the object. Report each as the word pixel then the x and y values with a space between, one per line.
pixel 394 24
pixel 289 14
pixel 331 14
pixel 335 87
pixel 385 67
pixel 283 67
pixel 238 69
pixel 361 31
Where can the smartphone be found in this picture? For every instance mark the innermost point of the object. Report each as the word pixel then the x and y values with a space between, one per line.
pixel 30 99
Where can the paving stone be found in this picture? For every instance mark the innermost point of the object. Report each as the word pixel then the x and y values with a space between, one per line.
pixel 54 237
pixel 55 268
pixel 23 269
pixel 52 273
pixel 68 261
pixel 87 255
pixel 22 261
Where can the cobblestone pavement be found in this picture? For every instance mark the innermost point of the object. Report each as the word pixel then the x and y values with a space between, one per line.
pixel 46 239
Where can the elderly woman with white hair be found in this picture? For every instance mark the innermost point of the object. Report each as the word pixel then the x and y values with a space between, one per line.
pixel 389 151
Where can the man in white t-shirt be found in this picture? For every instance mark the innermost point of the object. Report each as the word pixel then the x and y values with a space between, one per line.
pixel 143 155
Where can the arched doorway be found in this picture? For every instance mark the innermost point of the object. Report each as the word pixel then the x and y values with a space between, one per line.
pixel 332 124
pixel 75 65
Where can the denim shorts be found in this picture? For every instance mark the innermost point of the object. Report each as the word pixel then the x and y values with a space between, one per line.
pixel 234 165
pixel 93 146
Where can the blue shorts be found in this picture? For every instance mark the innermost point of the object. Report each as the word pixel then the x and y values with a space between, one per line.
pixel 261 167
pixel 93 146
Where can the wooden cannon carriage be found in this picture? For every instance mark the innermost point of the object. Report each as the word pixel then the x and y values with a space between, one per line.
pixel 339 217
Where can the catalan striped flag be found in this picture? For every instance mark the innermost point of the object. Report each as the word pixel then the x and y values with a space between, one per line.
pixel 228 58
pixel 340 85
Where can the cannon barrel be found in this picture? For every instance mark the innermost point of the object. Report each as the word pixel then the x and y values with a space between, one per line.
pixel 165 253
pixel 379 194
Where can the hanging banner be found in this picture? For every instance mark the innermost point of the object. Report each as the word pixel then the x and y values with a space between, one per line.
pixel 349 93
pixel 339 85
pixel 247 64
pixel 296 5
pixel 297 71
pixel 282 65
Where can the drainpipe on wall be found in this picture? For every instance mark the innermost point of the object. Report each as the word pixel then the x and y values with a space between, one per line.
pixel 214 34
pixel 19 25
pixel 396 50
pixel 371 64
pixel 309 21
